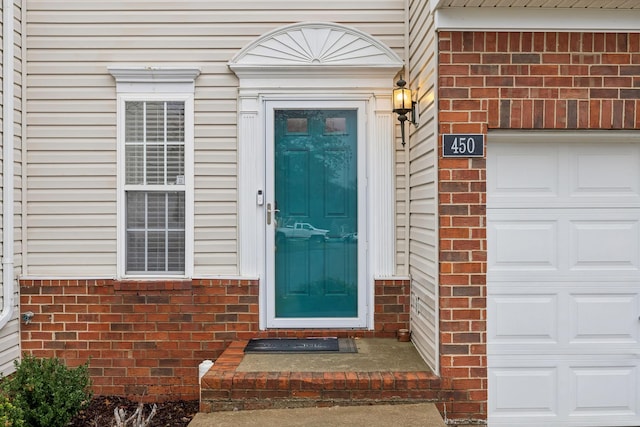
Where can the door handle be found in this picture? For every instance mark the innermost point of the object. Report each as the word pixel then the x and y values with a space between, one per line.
pixel 269 212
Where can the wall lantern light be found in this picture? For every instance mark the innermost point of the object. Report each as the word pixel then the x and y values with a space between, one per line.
pixel 403 104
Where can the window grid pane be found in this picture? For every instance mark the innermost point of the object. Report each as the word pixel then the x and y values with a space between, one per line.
pixel 175 122
pixel 134 123
pixel 155 165
pixel 134 164
pixel 175 163
pixel 155 125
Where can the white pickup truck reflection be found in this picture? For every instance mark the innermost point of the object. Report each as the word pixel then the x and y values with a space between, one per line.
pixel 301 230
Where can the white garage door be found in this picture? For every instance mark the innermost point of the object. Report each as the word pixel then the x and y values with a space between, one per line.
pixel 563 233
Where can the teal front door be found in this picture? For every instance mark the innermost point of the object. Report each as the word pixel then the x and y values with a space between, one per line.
pixel 316 213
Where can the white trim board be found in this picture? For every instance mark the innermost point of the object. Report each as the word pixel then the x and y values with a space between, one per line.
pixel 536 19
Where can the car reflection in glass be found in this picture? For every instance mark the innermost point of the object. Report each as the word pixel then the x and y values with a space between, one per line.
pixel 301 230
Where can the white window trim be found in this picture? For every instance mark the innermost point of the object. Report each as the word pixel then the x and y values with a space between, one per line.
pixel 154 79
pixel 155 84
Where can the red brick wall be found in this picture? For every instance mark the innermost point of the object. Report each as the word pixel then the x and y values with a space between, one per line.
pixel 510 81
pixel 146 339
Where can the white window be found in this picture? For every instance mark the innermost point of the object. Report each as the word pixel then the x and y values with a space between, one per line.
pixel 154 187
pixel 155 173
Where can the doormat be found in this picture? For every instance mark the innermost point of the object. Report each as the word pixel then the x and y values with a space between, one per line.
pixel 301 345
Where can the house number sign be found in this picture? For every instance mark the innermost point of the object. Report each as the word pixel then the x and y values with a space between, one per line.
pixel 463 145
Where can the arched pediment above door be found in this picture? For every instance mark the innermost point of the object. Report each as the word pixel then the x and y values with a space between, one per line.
pixel 316 46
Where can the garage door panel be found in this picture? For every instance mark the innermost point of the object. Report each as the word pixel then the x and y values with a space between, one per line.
pixel 603 171
pixel 560 390
pixel 523 319
pixel 536 396
pixel 604 318
pixel 523 243
pixel 508 181
pixel 599 390
pixel 571 318
pixel 605 244
pixel 556 175
pixel 564 243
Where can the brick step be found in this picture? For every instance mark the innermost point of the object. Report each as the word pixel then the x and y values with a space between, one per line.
pixel 223 388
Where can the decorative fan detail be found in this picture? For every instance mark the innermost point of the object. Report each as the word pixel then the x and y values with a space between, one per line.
pixel 316 44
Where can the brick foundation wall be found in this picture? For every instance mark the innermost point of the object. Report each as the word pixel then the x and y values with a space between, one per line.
pixel 146 339
pixel 490 80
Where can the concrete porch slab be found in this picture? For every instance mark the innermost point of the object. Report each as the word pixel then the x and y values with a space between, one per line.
pixel 413 415
pixel 374 354
pixel 384 372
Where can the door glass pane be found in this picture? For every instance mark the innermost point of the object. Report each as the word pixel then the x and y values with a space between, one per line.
pixel 317 228
pixel 297 125
pixel 335 126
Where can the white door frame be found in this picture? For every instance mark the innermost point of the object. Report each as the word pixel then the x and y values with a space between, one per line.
pixel 362 289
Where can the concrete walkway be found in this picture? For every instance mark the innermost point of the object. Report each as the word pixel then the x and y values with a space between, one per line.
pixel 414 415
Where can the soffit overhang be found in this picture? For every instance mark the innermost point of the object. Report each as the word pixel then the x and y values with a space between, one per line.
pixel 537 15
pixel 546 4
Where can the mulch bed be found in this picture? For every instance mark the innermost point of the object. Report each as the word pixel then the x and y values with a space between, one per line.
pixel 99 413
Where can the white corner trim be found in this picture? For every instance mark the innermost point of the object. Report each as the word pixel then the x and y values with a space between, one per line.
pixel 536 19
pixel 8 146
pixel 173 79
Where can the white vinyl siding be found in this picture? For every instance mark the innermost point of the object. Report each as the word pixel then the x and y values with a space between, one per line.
pixel 422 164
pixel 72 113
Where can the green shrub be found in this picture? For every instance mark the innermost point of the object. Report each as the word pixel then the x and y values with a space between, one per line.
pixel 47 392
pixel 10 415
